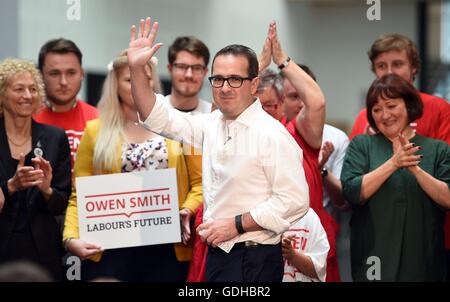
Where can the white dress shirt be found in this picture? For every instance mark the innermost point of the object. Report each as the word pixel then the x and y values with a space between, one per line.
pixel 251 164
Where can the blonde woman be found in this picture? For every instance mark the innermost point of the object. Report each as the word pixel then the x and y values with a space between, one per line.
pixel 35 178
pixel 115 143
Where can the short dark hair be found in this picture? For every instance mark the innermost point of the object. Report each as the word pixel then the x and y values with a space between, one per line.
pixel 241 50
pixel 392 86
pixel 59 46
pixel 308 71
pixel 388 42
pixel 190 44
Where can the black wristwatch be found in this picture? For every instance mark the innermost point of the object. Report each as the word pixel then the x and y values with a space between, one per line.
pixel 284 64
pixel 238 224
pixel 324 172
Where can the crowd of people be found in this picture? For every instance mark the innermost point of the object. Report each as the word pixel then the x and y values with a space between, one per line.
pixel 262 180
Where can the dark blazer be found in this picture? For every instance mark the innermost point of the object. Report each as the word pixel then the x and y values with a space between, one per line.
pixel 40 213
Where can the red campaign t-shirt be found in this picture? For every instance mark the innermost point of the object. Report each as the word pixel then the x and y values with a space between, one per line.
pixel 314 180
pixel 73 121
pixel 434 123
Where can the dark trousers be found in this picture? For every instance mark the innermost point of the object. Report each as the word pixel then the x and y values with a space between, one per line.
pixel 153 263
pixel 261 263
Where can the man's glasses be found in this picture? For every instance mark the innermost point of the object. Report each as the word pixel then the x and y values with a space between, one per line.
pixel 233 82
pixel 196 69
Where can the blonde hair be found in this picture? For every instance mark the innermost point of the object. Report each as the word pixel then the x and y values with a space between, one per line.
pixel 11 67
pixel 112 121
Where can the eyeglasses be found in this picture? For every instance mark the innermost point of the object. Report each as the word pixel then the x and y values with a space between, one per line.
pixel 233 82
pixel 270 106
pixel 196 69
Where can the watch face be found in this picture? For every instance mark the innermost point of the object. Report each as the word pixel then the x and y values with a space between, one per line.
pixel 285 63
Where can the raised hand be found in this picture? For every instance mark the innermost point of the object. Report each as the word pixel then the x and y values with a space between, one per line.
pixel 142 47
pixel 278 55
pixel 265 57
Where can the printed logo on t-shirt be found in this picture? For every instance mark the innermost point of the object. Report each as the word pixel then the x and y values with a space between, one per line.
pixel 301 237
pixel 74 138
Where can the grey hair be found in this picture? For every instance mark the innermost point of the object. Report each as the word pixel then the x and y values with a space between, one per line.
pixel 271 79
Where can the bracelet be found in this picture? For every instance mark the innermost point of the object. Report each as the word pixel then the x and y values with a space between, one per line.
pixel 284 64
pixel 238 224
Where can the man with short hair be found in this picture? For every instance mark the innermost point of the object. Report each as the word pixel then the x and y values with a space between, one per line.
pixel 397 54
pixel 254 185
pixel 188 65
pixel 60 64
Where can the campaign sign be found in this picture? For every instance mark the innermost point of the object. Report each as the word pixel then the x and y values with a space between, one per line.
pixel 129 209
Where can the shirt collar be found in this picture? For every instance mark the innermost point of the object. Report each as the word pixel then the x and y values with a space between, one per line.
pixel 248 116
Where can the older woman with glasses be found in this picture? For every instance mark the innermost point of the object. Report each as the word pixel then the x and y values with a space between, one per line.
pixel 398 182
pixel 34 172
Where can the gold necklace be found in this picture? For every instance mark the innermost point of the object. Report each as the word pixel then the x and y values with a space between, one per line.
pixel 18 144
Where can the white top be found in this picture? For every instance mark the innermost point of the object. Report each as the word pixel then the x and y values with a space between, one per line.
pixel 203 106
pixel 334 164
pixel 249 164
pixel 311 240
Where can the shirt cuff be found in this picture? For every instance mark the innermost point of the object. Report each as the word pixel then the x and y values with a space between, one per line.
pixel 269 222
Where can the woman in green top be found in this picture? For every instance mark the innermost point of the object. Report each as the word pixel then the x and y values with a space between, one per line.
pixel 398 183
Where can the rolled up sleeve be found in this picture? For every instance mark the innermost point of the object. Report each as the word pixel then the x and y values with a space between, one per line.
pixel 290 198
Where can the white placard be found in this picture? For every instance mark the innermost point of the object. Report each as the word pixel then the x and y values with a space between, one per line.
pixel 129 209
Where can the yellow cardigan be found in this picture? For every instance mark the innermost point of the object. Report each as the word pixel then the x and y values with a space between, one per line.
pixel 189 180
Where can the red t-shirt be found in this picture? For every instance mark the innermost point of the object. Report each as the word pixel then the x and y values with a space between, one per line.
pixel 73 121
pixel 314 180
pixel 434 123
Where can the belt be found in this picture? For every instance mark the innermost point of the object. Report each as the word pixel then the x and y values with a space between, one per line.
pixel 248 243
pixel 251 244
